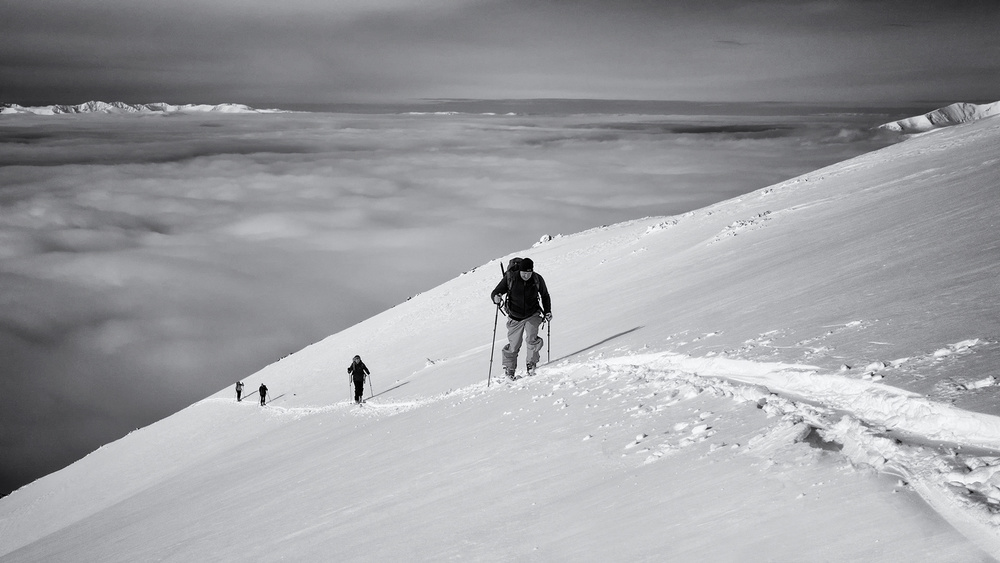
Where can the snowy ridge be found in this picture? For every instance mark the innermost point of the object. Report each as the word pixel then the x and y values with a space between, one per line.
pixel 948 116
pixel 856 414
pixel 874 402
pixel 123 108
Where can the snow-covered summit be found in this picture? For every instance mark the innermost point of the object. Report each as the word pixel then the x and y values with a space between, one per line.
pixel 955 114
pixel 122 107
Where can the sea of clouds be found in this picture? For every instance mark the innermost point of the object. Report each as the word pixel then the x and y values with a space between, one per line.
pixel 147 261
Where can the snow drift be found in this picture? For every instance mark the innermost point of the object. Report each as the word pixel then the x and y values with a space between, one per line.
pixel 801 373
pixel 954 114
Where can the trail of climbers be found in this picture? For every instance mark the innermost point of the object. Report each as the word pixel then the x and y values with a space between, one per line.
pixel 890 430
pixel 948 456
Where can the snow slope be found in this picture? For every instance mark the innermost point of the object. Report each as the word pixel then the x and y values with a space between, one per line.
pixel 121 107
pixel 948 116
pixel 803 373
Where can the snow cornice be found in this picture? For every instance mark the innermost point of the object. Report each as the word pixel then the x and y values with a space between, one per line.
pixel 955 114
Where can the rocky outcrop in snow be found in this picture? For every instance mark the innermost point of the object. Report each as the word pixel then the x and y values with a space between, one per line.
pixel 121 107
pixel 955 114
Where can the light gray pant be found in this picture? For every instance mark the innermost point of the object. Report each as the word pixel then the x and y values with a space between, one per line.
pixel 518 332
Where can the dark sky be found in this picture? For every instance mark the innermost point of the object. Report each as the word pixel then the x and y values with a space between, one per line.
pixel 301 52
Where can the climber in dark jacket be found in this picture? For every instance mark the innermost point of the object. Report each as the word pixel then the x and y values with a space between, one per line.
pixel 528 305
pixel 357 371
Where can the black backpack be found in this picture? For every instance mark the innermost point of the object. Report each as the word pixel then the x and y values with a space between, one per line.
pixel 513 267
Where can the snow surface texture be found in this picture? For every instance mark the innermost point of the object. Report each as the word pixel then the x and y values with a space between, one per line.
pixel 803 373
pixel 121 107
pixel 954 114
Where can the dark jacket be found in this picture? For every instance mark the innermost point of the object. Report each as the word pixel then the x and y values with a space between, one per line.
pixel 523 296
pixel 358 371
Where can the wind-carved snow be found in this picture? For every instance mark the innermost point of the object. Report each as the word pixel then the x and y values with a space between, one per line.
pixel 896 409
pixel 544 239
pixel 876 426
pixel 856 415
pixel 662 226
pixel 758 221
pixel 948 116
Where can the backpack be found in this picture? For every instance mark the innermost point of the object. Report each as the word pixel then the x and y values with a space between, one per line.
pixel 512 273
pixel 513 267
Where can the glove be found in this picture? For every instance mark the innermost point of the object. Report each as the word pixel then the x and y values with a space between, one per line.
pixel 548 316
pixel 497 299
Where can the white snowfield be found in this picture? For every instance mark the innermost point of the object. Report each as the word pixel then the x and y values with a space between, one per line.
pixel 124 108
pixel 804 373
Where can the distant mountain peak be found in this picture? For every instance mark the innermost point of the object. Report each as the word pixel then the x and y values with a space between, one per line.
pixel 122 108
pixel 955 114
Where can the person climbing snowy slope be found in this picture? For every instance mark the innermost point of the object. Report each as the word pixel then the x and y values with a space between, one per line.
pixel 358 370
pixel 528 305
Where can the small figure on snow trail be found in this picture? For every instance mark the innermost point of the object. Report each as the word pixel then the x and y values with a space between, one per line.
pixel 239 391
pixel 357 371
pixel 263 393
pixel 528 305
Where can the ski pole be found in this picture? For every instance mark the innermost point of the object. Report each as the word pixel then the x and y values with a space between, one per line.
pixel 548 340
pixel 371 392
pixel 493 344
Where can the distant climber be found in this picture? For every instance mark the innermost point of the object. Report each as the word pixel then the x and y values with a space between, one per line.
pixel 239 391
pixel 263 393
pixel 357 372
pixel 528 305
